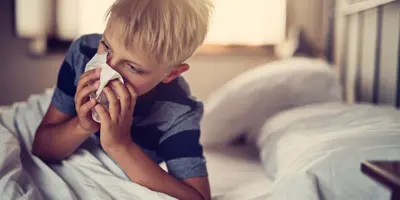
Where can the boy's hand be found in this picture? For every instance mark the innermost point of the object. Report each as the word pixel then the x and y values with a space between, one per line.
pixel 115 128
pixel 88 83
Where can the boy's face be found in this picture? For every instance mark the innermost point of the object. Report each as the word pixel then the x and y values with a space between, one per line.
pixel 135 66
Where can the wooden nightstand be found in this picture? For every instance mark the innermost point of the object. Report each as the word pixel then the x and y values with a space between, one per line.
pixel 386 173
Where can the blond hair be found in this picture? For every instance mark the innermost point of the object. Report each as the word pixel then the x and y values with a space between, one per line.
pixel 169 30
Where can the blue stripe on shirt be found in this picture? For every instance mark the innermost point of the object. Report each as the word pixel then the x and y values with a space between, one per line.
pixel 180 145
pixel 146 136
pixel 66 78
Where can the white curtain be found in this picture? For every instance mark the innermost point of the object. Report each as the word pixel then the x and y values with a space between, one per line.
pixel 239 22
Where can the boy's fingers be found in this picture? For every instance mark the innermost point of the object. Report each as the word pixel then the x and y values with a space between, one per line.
pixel 122 93
pixel 85 108
pixel 103 114
pixel 84 93
pixel 133 96
pixel 113 103
pixel 88 77
pixel 119 88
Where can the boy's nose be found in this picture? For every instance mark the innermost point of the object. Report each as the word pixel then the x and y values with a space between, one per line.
pixel 111 61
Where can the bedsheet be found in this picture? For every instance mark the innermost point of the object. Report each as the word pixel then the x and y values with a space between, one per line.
pixel 236 173
pixel 87 174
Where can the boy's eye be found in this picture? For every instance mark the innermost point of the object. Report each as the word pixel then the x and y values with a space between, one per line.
pixel 105 45
pixel 133 69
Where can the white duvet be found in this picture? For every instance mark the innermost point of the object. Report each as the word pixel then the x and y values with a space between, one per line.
pixel 88 174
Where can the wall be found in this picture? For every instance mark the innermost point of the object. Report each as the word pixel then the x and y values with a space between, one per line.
pixel 311 15
pixel 209 72
pixel 22 75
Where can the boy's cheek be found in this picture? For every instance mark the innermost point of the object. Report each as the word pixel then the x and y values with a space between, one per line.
pixel 138 85
pixel 142 85
pixel 141 89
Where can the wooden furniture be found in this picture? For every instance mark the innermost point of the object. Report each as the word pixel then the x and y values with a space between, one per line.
pixel 386 173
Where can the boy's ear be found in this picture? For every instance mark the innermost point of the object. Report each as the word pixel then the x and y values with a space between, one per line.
pixel 175 72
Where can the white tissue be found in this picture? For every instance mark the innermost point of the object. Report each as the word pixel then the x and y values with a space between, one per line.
pixel 107 74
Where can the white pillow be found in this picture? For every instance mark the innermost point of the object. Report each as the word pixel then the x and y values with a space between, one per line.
pixel 242 105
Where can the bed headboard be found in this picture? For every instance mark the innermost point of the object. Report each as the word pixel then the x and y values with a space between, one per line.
pixel 367 50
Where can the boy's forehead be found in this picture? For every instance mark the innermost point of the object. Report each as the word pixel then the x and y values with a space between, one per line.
pixel 114 33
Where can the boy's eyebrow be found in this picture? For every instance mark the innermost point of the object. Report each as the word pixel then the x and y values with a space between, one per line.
pixel 138 64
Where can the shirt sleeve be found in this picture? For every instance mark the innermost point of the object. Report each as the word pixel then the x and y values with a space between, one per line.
pixel 181 148
pixel 64 93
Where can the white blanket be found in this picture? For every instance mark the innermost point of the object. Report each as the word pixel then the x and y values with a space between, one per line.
pixel 88 174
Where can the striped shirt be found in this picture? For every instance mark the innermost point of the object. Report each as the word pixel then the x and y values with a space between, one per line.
pixel 166 119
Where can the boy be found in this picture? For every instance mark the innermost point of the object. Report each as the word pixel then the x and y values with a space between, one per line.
pixel 154 118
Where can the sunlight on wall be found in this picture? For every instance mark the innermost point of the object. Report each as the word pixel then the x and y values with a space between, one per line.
pixel 92 20
pixel 248 22
pixel 67 26
pixel 241 22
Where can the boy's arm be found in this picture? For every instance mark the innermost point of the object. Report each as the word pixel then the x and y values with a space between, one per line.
pixel 58 136
pixel 142 170
pixel 61 130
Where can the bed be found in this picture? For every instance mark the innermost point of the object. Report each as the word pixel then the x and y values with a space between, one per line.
pixel 305 141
